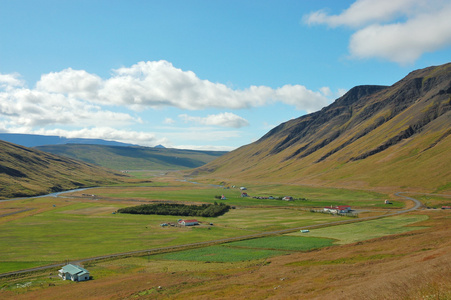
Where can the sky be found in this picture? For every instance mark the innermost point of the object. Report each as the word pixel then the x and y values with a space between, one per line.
pixel 201 74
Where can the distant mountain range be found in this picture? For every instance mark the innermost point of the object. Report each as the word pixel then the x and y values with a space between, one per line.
pixel 33 140
pixel 134 157
pixel 392 137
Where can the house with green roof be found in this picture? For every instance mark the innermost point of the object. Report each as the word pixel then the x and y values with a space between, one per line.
pixel 74 273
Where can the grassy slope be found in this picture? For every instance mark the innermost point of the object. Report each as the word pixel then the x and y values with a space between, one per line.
pixel 134 158
pixel 421 161
pixel 25 171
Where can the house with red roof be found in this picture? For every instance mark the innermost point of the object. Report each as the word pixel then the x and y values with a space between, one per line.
pixel 340 209
pixel 188 222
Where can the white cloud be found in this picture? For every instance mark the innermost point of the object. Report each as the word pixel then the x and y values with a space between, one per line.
pixel 77 83
pixel 205 147
pixel 201 134
pixel 399 31
pixel 10 81
pixel 26 107
pixel 169 121
pixel 363 12
pixel 223 119
pixel 159 83
pixel 107 133
pixel 404 43
pixel 85 104
pixel 155 84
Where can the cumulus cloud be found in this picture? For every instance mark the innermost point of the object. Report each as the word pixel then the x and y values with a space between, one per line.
pixel 399 31
pixel 78 100
pixel 77 83
pixel 154 84
pixel 158 83
pixel 224 119
pixel 26 107
pixel 10 81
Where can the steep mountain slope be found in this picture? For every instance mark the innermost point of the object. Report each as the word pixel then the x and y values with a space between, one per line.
pixel 26 172
pixel 135 158
pixel 373 136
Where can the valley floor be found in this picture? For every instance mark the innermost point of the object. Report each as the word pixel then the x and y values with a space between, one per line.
pixel 399 257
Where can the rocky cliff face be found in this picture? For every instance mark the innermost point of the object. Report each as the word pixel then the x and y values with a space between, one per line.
pixel 369 125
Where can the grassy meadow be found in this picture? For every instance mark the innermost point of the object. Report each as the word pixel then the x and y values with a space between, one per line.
pixel 75 226
pixel 355 232
pixel 60 229
pixel 205 193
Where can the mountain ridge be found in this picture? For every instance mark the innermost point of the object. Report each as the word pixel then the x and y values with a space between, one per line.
pixel 366 126
pixel 134 157
pixel 30 172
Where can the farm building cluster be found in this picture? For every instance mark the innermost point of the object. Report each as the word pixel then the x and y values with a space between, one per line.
pixel 340 209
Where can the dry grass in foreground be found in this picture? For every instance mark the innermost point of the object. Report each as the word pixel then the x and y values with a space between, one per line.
pixel 413 265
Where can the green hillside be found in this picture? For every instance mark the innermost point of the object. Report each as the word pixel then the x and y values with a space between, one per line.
pixel 396 137
pixel 27 172
pixel 134 158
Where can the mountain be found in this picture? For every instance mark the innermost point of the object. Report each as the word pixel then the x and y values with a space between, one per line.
pixel 28 172
pixel 374 137
pixel 33 140
pixel 135 158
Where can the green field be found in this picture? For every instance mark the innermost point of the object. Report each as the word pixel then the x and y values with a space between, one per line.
pixel 72 230
pixel 61 229
pixel 219 254
pixel 253 249
pixel 434 201
pixel 292 243
pixel 350 233
pixel 315 197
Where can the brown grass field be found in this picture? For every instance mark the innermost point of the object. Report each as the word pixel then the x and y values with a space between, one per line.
pixel 411 265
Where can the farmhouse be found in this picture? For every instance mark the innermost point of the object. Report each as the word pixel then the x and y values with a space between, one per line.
pixel 74 273
pixel 188 222
pixel 340 209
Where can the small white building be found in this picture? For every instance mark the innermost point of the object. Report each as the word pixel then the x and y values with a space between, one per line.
pixel 340 209
pixel 74 273
pixel 188 222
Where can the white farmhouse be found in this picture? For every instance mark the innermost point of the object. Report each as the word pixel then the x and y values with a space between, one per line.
pixel 74 273
pixel 340 209
pixel 188 222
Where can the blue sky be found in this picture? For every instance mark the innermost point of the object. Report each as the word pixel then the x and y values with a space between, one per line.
pixel 205 74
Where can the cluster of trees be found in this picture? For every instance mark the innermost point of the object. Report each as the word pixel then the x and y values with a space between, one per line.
pixel 204 210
